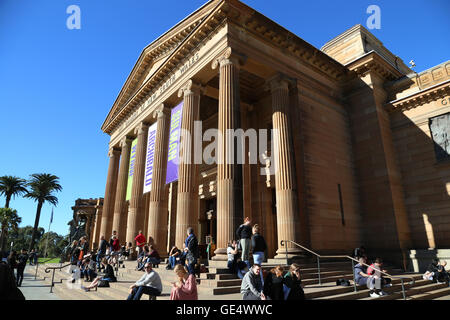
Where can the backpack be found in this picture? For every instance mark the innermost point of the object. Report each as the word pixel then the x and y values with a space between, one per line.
pixel 103 283
pixel 343 282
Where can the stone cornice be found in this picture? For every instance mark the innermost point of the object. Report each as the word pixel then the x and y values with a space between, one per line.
pixel 372 62
pixel 419 98
pixel 261 26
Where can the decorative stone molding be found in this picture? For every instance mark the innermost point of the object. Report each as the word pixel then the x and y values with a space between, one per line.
pixel 191 87
pixel 420 98
pixel 229 56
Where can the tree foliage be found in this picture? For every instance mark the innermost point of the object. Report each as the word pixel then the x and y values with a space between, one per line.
pixel 11 186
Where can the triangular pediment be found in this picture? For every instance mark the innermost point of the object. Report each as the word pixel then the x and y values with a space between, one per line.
pixel 155 54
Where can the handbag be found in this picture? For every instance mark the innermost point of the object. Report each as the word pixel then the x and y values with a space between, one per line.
pixel 103 283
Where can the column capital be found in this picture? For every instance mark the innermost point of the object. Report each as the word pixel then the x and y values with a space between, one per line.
pixel 279 81
pixel 229 56
pixel 191 87
pixel 125 141
pixel 141 128
pixel 161 112
pixel 113 152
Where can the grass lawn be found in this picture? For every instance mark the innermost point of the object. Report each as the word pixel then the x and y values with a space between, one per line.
pixel 54 260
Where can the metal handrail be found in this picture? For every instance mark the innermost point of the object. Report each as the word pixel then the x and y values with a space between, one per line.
pixel 37 264
pixel 318 256
pixel 47 270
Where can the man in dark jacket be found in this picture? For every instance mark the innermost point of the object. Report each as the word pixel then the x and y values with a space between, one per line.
pixel 244 234
pixel 191 249
pixel 22 263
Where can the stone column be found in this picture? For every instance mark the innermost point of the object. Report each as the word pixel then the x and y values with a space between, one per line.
pixel 135 221
pixel 97 223
pixel 110 193
pixel 157 220
pixel 229 174
pixel 187 169
pixel 285 186
pixel 121 207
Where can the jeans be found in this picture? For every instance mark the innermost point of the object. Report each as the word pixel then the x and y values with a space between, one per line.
pixel 153 260
pixel 191 268
pixel 139 291
pixel 245 244
pixel 20 275
pixel 258 257
pixel 172 262
pixel 241 273
pixel 99 259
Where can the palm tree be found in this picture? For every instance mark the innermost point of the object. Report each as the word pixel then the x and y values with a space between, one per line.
pixel 12 186
pixel 42 186
pixel 9 220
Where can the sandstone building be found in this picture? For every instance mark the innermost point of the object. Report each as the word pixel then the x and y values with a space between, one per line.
pixel 362 146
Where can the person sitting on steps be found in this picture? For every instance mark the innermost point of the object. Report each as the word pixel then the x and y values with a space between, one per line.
pixel 376 281
pixel 149 283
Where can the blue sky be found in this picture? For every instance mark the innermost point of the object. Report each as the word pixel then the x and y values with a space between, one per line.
pixel 57 85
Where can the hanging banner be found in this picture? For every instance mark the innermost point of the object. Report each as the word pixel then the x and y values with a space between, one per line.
pixel 150 157
pixel 174 143
pixel 131 168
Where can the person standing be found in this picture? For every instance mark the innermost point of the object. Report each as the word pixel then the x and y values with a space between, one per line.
pixel 191 249
pixel 244 234
pixel 101 251
pixel 31 256
pixel 259 245
pixel 22 263
pixel 186 287
pixel 149 283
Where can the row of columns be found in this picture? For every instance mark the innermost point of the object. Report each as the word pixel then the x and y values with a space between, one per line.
pixel 229 173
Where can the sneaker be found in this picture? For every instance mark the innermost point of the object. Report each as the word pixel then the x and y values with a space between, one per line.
pixel 382 293
pixel 374 295
pixel 388 285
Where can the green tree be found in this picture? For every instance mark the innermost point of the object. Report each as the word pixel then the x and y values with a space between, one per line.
pixel 53 242
pixel 42 186
pixel 12 186
pixel 9 220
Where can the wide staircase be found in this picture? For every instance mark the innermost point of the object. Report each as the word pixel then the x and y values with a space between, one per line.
pixel 218 284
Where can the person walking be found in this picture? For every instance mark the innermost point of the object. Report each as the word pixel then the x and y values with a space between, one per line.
pixel 191 249
pixel 101 251
pixel 150 283
pixel 22 263
pixel 244 234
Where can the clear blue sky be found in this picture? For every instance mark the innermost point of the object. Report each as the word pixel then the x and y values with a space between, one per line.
pixel 57 85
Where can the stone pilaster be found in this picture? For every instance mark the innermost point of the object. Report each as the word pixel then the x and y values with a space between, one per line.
pixel 157 220
pixel 135 221
pixel 110 192
pixel 229 174
pixel 285 185
pixel 121 207
pixel 187 170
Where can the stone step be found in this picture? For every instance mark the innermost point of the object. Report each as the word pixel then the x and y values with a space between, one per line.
pixel 414 291
pixel 206 276
pixel 221 283
pixel 431 295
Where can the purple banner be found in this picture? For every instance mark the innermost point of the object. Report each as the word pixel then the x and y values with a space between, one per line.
pixel 174 143
pixel 150 157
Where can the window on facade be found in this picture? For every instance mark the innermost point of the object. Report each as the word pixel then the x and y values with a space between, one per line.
pixel 440 133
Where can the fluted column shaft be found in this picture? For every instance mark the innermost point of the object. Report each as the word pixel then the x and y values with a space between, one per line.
pixel 157 220
pixel 121 207
pixel 110 193
pixel 286 198
pixel 229 174
pixel 187 169
pixel 135 221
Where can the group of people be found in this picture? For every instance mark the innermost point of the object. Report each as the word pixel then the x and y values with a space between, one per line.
pixel 436 272
pixel 248 240
pixel 18 262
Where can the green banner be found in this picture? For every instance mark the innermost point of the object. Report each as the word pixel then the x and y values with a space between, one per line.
pixel 131 168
